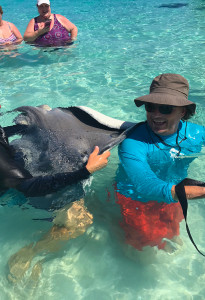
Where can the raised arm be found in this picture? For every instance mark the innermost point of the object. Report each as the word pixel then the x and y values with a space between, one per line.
pixel 30 35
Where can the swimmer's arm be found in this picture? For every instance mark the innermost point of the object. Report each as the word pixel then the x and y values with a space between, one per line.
pixel 70 27
pixel 30 35
pixel 192 192
pixel 15 129
pixel 17 34
pixel 43 185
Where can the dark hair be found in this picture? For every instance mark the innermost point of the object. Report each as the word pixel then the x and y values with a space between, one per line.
pixel 1 10
pixel 190 112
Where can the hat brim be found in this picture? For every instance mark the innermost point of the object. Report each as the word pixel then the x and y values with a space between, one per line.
pixel 40 2
pixel 164 99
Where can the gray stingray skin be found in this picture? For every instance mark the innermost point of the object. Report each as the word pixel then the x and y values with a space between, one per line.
pixel 61 139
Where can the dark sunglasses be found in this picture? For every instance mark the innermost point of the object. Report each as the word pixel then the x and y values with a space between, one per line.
pixel 163 109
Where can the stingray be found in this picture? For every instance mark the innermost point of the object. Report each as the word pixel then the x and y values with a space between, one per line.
pixel 61 139
pixel 52 137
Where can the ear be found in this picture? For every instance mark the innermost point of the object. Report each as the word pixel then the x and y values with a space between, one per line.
pixel 183 112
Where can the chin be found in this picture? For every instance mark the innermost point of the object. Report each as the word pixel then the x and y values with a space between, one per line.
pixel 46 16
pixel 161 131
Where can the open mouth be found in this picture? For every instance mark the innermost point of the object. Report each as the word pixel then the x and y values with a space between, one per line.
pixel 159 124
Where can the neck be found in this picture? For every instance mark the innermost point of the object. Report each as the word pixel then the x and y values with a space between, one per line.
pixel 163 137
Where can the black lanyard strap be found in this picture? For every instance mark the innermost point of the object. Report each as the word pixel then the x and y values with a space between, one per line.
pixel 181 194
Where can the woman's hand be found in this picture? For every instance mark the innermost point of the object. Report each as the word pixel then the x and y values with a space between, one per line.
pixel 30 35
pixel 43 28
pixel 97 162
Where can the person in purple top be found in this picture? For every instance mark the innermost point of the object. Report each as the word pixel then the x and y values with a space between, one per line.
pixel 49 29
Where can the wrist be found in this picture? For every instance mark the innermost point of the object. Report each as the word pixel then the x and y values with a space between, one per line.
pixel 87 171
pixel 174 196
pixel 38 33
pixel 90 170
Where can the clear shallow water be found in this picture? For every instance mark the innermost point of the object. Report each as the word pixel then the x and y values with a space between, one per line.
pixel 121 46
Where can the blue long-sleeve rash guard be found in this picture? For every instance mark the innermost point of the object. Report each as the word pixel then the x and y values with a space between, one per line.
pixel 151 165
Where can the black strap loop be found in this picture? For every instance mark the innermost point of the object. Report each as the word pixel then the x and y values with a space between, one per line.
pixel 181 194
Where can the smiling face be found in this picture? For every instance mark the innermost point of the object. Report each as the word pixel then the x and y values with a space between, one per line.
pixel 44 10
pixel 165 124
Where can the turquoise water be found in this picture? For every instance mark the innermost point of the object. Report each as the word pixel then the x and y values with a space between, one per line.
pixel 121 46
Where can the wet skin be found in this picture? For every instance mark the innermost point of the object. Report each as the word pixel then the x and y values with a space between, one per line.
pixel 162 124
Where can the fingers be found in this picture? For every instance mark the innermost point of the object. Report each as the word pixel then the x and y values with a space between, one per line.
pixel 106 154
pixel 95 151
pixel 97 161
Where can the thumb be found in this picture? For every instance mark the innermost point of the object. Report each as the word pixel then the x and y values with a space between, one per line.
pixel 106 154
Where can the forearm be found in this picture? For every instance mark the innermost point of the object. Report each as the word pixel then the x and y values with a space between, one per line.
pixel 15 129
pixel 18 40
pixel 192 192
pixel 43 185
pixel 32 36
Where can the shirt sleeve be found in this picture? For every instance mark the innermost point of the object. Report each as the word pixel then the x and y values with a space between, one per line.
pixel 13 175
pixel 43 185
pixel 15 129
pixel 146 185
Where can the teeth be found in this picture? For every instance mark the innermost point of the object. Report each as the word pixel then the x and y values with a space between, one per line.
pixel 159 122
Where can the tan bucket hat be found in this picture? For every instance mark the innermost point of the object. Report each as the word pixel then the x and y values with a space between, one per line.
pixel 168 89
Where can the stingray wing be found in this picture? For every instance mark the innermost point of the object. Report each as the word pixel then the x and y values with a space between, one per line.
pixel 80 127
pixel 99 129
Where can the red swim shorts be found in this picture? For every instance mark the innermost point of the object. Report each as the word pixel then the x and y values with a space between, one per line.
pixel 146 224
